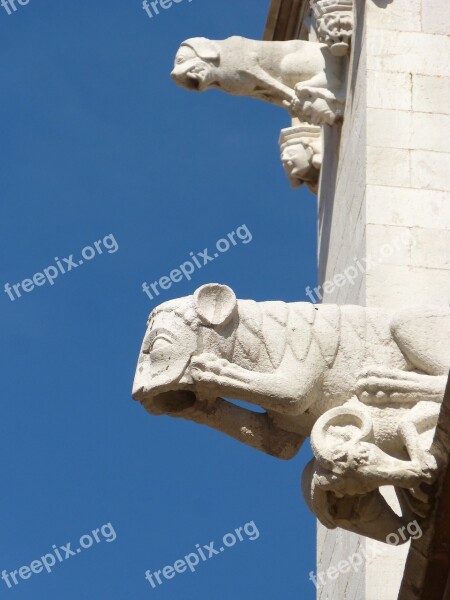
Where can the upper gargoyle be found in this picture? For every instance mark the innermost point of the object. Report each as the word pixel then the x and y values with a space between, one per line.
pixel 302 76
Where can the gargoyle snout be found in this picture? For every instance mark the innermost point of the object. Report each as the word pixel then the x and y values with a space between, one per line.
pixel 139 383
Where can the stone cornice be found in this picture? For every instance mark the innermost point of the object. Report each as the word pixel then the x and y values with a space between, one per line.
pixel 285 20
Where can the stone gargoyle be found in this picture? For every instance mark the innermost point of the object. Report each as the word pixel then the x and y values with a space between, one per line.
pixel 365 384
pixel 301 150
pixel 304 77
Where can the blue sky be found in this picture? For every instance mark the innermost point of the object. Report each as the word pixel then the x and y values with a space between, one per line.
pixel 99 141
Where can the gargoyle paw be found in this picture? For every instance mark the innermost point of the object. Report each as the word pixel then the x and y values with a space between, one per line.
pixel 208 368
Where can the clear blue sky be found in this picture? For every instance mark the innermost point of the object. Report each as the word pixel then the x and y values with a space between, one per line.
pixel 98 140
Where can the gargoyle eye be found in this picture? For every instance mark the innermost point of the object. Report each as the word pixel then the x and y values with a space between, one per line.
pixel 180 59
pixel 160 342
pixel 156 339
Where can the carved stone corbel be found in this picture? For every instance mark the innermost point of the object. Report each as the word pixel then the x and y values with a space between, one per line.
pixel 301 154
pixel 334 24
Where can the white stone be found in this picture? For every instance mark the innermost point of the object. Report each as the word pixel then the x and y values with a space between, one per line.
pixel 408 246
pixel 388 245
pixel 388 561
pixel 390 166
pixel 389 128
pixel 384 177
pixel 416 53
pixel 389 90
pixel 303 77
pixel 399 285
pixel 398 71
pixel 338 374
pixel 334 546
pixel 431 94
pixel 408 207
pixel 405 129
pixel 430 132
pixel 436 16
pixel 334 24
pixel 430 170
pixel 398 15
pixel 431 248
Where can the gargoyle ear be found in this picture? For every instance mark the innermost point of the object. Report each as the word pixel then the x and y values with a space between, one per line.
pixel 204 48
pixel 215 304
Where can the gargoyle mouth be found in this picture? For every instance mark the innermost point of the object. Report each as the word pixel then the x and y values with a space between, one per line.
pixel 170 403
pixel 194 81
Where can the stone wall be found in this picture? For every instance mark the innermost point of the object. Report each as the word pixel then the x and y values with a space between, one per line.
pixel 384 197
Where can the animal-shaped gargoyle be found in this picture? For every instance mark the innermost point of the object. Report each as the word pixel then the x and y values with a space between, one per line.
pixel 304 77
pixel 365 384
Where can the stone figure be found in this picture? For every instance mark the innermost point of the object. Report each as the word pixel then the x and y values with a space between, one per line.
pixel 301 154
pixel 366 384
pixel 334 24
pixel 303 77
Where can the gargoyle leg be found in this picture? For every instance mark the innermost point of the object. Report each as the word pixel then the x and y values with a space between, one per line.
pixel 254 429
pixel 423 416
pixel 229 380
pixel 377 384
pixel 272 84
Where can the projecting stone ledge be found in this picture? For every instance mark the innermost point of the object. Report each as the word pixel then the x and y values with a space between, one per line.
pixel 427 572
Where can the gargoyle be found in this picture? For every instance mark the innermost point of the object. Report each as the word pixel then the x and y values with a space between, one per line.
pixel 366 384
pixel 304 77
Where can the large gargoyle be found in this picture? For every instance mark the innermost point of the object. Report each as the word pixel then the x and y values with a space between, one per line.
pixel 366 385
pixel 304 77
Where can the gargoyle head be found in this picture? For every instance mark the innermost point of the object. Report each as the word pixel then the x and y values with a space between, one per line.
pixel 301 155
pixel 176 331
pixel 195 64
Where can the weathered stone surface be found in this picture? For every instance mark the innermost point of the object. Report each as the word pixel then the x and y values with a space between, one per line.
pixel 301 155
pixel 365 384
pixel 334 24
pixel 303 77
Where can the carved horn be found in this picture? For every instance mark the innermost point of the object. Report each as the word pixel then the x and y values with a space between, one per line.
pixel 340 417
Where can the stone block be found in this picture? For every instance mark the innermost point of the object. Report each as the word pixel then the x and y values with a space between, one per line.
pixel 407 52
pixel 390 166
pixel 430 131
pixel 388 244
pixel 407 207
pixel 431 248
pixel 399 15
pixel 436 16
pixel 389 128
pixel 389 90
pixel 404 129
pixel 430 170
pixel 431 94
pixel 396 286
